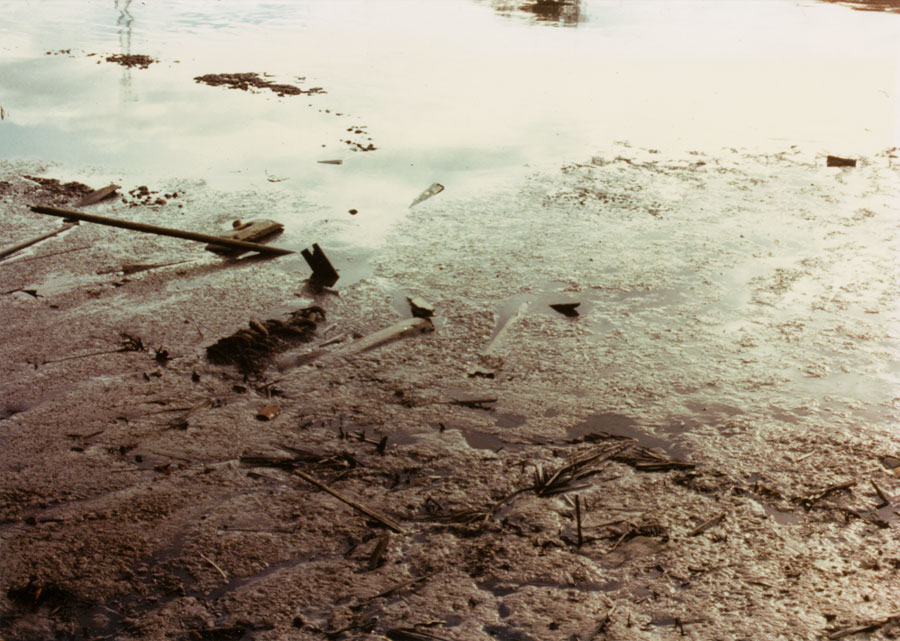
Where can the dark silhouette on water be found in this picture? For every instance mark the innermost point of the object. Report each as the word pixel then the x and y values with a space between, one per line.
pixel 566 13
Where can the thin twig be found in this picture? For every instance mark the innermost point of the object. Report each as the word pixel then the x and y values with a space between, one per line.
pixel 381 518
pixel 405 584
pixel 707 524
pixel 215 565
pixel 578 519
pixel 885 501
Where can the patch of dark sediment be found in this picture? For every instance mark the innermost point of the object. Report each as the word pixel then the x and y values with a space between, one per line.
pixel 248 81
pixel 252 349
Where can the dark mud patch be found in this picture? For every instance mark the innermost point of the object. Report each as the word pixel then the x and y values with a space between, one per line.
pixel 52 191
pixel 131 60
pixel 252 349
pixel 248 81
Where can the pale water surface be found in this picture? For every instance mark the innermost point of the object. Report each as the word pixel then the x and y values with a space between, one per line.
pixel 464 92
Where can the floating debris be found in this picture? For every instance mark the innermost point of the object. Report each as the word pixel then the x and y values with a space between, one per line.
pixel 434 190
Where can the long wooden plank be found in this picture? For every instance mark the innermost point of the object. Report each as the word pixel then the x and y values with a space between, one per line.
pixel 161 231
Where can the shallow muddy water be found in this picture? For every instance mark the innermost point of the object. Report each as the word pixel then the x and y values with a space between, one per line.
pixel 464 92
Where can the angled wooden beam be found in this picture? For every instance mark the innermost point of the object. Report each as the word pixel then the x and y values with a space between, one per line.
pixel 162 231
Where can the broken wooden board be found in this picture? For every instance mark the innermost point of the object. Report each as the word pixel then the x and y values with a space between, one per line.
pixel 252 232
pixel 97 195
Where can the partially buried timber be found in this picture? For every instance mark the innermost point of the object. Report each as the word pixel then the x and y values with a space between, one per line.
pixel 251 349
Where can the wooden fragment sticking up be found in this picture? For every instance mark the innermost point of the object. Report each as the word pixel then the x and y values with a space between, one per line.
pixel 419 307
pixel 323 272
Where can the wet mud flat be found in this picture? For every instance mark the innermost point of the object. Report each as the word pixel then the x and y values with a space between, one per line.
pixel 705 448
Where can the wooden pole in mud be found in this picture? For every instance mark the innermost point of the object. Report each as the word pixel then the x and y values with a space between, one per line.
pixel 162 231
pixel 34 241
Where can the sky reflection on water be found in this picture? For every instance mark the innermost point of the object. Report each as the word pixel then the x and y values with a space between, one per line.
pixel 449 90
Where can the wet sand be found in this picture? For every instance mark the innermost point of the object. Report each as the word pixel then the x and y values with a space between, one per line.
pixel 722 412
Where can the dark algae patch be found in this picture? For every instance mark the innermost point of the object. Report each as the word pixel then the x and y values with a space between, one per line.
pixel 138 60
pixel 248 81
pixel 252 349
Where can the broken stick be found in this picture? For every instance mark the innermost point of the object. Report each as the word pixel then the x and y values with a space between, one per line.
pixel 381 518
pixel 35 241
pixel 162 231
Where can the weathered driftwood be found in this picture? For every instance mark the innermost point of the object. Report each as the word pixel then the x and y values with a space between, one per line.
pixel 34 241
pixel 381 518
pixel 162 231
pixel 408 327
